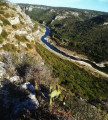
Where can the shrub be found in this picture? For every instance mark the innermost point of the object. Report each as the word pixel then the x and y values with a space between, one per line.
pixel 4 34
pixel 1 39
pixel 5 21
pixel 21 38
pixel 20 15
pixel 7 15
pixel 3 3
pixel 17 37
pixel 1 8
pixel 14 9
pixel 9 47
pixel 29 46
pixel 35 26
pixel 1 12
pixel 14 26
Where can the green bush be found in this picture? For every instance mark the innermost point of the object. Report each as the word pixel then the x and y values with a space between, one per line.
pixel 4 34
pixel 17 36
pixel 5 21
pixel 1 8
pixel 1 39
pixel 21 38
pixel 14 26
pixel 9 47
pixel 1 12
pixel 14 9
pixel 3 3
pixel 7 15
pixel 29 46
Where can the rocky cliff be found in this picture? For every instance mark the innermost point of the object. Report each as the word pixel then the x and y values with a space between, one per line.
pixel 18 34
pixel 17 31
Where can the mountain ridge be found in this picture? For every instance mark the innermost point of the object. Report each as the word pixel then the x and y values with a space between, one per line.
pixel 31 5
pixel 68 26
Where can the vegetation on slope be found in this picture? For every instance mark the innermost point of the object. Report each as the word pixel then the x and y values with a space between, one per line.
pixel 46 13
pixel 26 102
pixel 19 99
pixel 17 30
pixel 88 37
pixel 74 78
pixel 41 15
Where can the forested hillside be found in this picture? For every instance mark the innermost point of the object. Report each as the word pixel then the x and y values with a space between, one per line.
pixel 45 14
pixel 89 37
pixel 83 31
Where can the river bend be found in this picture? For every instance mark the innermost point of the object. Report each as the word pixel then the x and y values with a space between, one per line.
pixel 102 69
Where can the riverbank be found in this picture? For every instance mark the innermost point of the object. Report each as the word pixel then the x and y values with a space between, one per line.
pixel 77 59
pixel 74 53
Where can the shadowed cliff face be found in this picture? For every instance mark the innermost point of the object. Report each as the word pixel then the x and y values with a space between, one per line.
pixel 15 101
pixel 18 96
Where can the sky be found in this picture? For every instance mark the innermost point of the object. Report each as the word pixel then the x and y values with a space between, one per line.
pixel 99 5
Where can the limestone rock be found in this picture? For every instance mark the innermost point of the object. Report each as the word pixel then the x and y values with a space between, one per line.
pixel 2 70
pixel 23 44
pixel 30 37
pixel 1 22
pixel 0 29
pixel 20 32
pixel 14 20
pixel 14 78
pixel 34 99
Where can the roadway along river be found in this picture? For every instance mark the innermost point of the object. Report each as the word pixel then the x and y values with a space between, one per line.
pixel 103 69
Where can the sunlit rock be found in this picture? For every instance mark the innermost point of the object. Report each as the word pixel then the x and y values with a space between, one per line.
pixel 14 20
pixel 14 78
pixel 0 29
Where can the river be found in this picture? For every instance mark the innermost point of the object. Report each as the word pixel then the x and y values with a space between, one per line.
pixel 102 69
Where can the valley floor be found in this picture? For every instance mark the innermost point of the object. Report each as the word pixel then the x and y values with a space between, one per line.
pixel 81 64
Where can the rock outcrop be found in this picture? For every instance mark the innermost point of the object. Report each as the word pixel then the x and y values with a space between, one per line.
pixel 0 29
pixel 18 34
pixel 18 30
pixel 14 20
